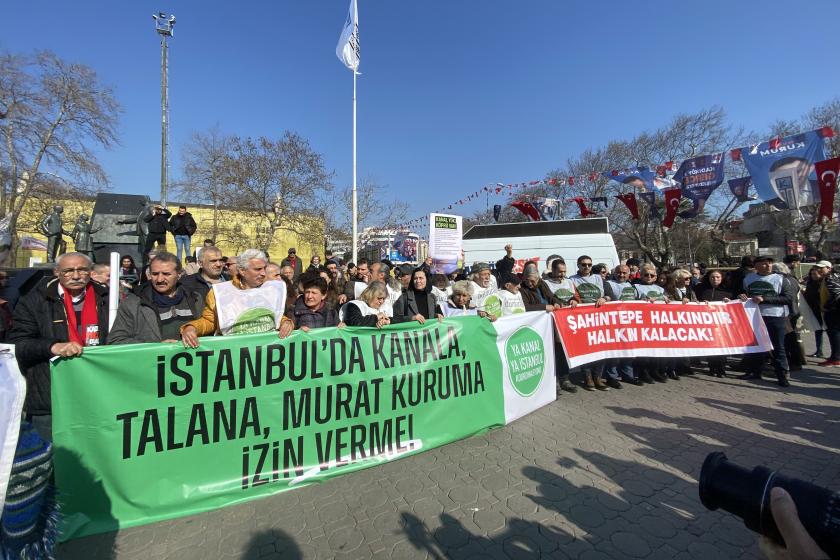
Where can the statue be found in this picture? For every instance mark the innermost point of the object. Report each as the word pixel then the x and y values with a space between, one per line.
pixel 51 227
pixel 142 229
pixel 81 235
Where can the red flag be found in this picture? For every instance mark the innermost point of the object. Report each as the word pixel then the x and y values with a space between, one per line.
pixel 571 180
pixel 552 181
pixel 672 202
pixel 498 190
pixel 827 177
pixel 528 209
pixel 775 143
pixel 584 211
pixel 669 165
pixel 593 176
pixel 827 132
pixel 614 172
pixel 629 200
pixel 735 154
pixel 660 170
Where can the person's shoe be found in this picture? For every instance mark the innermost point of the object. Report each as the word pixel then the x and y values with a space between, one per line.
pixel 600 385
pixel 588 384
pixel 750 375
pixel 634 381
pixel 658 377
pixel 829 363
pixel 646 378
pixel 567 386
pixel 816 355
pixel 782 378
pixel 614 383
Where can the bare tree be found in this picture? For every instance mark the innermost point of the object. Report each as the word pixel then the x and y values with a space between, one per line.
pixel 53 114
pixel 282 184
pixel 374 209
pixel 204 158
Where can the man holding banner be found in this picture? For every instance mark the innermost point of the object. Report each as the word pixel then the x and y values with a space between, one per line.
pixel 774 294
pixel 246 304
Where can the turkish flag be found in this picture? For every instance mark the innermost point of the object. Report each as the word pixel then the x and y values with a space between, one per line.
pixel 774 143
pixel 672 202
pixel 735 154
pixel 528 209
pixel 827 177
pixel 584 211
pixel 593 176
pixel 827 132
pixel 629 200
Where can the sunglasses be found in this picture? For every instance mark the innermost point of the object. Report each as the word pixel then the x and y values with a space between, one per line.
pixel 584 264
pixel 649 275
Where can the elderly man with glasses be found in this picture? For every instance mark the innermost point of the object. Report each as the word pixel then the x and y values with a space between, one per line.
pixel 60 317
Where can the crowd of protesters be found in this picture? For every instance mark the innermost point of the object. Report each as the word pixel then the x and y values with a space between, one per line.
pixel 167 301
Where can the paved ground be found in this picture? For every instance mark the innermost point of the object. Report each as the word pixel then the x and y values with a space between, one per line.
pixel 595 475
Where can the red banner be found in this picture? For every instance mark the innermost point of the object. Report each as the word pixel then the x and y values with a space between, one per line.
pixel 827 178
pixel 672 202
pixel 636 329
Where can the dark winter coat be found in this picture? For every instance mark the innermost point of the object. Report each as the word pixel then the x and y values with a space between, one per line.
pixel 297 266
pixel 182 225
pixel 714 294
pixel 40 321
pixel 326 316
pixel 158 223
pixel 405 308
pixel 138 319
pixel 531 296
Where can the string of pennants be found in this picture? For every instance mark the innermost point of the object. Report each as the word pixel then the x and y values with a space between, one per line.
pixel 692 179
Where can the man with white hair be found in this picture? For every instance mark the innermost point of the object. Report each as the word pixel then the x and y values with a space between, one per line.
pixel 58 318
pixel 246 304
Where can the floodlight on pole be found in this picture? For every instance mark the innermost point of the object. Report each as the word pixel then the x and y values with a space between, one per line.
pixel 165 27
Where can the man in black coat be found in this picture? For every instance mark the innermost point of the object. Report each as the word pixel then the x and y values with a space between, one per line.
pixel 158 220
pixel 183 226
pixel 293 261
pixel 58 318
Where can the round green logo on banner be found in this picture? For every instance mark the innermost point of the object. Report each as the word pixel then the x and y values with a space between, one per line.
pixel 525 355
pixel 493 306
pixel 255 320
pixel 589 293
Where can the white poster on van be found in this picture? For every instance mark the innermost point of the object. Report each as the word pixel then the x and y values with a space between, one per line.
pixel 445 244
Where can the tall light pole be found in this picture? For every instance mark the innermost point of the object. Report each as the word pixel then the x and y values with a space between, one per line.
pixel 165 26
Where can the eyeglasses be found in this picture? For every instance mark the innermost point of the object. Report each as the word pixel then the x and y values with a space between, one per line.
pixel 81 270
pixel 584 264
pixel 649 275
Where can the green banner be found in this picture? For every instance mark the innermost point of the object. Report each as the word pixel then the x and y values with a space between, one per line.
pixel 149 432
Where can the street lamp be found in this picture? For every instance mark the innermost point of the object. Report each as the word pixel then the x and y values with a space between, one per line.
pixel 165 27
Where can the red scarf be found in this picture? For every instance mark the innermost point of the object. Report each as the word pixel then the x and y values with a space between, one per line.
pixel 90 319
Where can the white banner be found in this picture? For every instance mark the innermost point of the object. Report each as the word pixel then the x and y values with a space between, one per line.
pixel 526 346
pixel 12 393
pixel 250 311
pixel 445 243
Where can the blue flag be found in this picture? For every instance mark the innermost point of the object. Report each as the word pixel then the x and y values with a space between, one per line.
pixel 642 178
pixel 698 178
pixel 784 175
pixel 740 188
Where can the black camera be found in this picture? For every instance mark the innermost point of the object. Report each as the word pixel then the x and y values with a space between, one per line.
pixel 747 494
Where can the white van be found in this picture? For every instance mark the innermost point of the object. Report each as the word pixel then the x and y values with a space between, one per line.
pixel 536 241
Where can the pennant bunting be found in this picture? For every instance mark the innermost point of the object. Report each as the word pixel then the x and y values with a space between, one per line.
pixel 740 188
pixel 629 200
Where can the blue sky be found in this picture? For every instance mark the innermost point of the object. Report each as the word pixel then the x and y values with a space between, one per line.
pixel 453 95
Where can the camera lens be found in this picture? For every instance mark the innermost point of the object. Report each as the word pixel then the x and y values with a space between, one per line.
pixel 746 493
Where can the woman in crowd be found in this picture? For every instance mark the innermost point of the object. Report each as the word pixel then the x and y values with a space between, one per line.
pixel 314 264
pixel 678 286
pixel 332 291
pixel 417 303
pixel 714 290
pixel 128 271
pixel 649 369
pixel 602 270
pixel 459 302
pixel 816 298
pixel 366 311
pixel 440 288
pixel 311 310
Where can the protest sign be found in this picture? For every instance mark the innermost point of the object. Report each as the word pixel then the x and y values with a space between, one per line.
pixel 12 393
pixel 445 244
pixel 149 432
pixel 625 330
